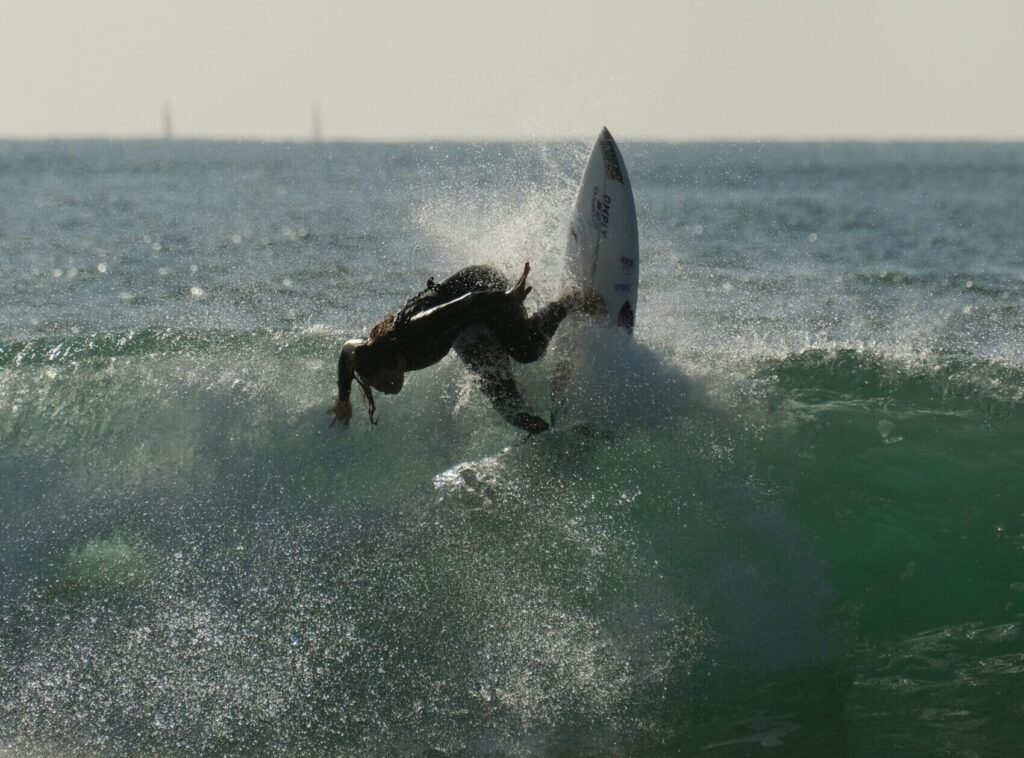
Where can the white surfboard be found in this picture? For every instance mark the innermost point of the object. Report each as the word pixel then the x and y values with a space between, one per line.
pixel 602 253
pixel 603 249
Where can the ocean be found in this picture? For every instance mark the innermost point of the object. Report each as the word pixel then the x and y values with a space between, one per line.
pixel 787 519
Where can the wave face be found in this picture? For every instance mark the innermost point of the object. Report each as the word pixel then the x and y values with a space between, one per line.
pixel 787 513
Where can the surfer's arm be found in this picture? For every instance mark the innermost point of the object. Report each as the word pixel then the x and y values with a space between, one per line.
pixel 504 395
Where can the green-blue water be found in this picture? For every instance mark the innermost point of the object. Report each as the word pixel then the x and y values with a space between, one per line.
pixel 795 525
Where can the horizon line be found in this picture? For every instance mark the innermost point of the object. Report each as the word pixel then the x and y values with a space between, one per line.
pixel 448 139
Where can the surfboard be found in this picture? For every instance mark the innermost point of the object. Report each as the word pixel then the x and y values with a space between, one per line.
pixel 602 253
pixel 603 248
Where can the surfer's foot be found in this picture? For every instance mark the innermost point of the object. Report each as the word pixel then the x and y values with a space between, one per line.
pixel 583 300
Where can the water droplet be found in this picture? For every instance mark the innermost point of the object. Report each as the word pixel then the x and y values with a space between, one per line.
pixel 101 267
pixel 197 292
pixel 193 268
pixel 812 238
pixel 58 273
pixel 698 230
pixel 236 238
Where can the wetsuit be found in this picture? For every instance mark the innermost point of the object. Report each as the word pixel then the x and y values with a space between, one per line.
pixel 470 312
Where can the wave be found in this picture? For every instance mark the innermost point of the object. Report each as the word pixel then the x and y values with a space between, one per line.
pixel 198 563
pixel 925 383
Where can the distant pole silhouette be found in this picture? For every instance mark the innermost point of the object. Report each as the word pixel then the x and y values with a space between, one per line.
pixel 168 124
pixel 317 123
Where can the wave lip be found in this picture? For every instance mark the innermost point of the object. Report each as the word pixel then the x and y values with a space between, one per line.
pixel 926 383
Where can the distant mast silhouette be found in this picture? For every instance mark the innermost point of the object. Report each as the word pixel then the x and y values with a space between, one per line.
pixel 168 123
pixel 317 123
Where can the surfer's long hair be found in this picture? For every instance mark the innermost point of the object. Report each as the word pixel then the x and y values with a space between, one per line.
pixel 375 353
pixel 368 402
pixel 350 364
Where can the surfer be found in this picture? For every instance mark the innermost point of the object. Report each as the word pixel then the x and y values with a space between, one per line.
pixel 476 312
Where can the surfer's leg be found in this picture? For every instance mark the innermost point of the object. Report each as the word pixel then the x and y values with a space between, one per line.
pixel 526 338
pixel 487 358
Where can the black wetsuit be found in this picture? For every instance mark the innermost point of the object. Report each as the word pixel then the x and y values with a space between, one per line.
pixel 477 319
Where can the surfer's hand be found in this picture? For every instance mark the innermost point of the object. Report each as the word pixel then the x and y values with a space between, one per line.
pixel 519 290
pixel 342 411
pixel 530 423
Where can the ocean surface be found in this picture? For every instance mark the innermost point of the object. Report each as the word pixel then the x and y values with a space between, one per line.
pixel 786 519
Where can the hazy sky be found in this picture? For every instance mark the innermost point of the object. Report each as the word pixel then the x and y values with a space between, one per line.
pixel 390 69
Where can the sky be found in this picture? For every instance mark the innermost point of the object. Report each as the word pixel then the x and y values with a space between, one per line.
pixel 531 69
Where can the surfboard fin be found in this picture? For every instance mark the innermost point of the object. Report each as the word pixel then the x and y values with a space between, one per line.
pixel 626 317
